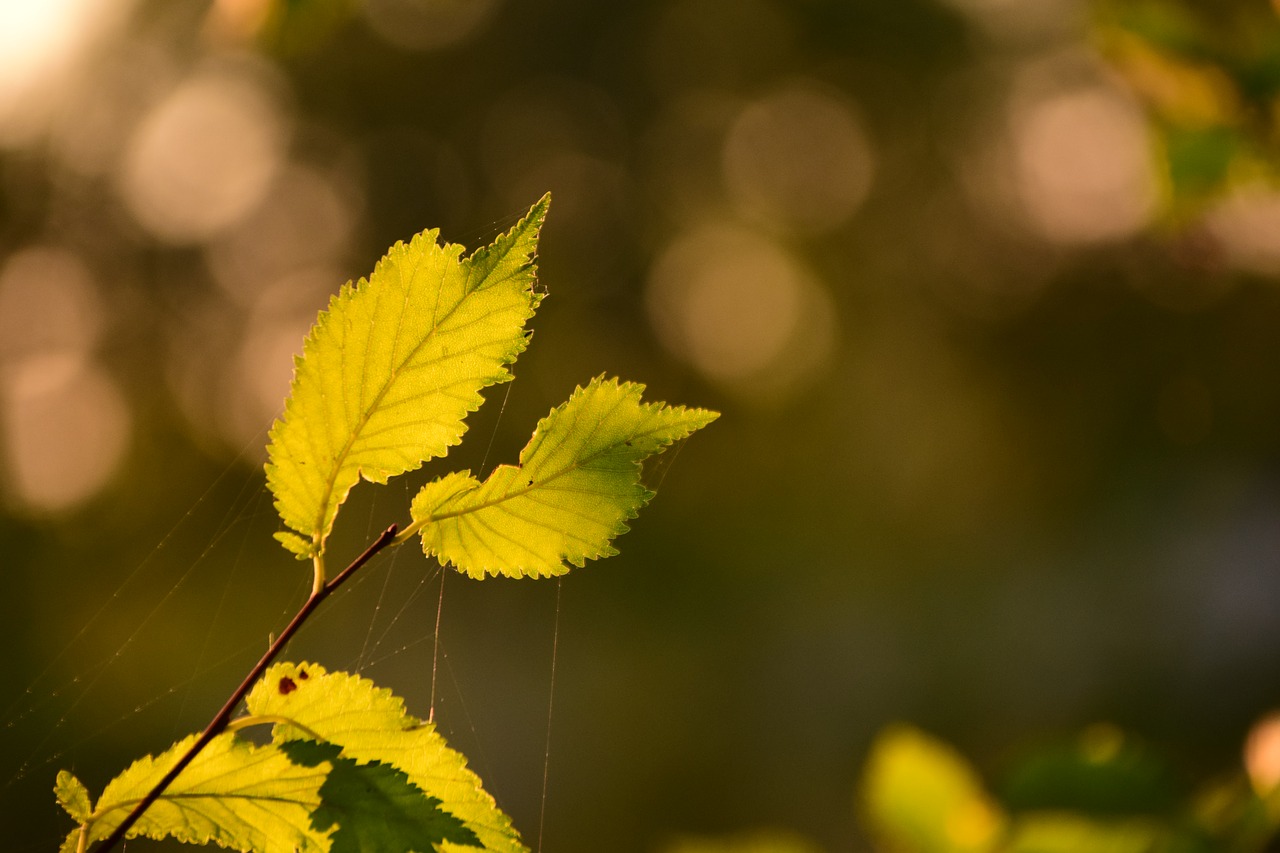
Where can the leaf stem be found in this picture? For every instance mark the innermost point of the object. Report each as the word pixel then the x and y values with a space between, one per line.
pixel 317 563
pixel 410 531
pixel 220 720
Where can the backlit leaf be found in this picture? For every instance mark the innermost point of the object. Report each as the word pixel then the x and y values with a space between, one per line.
pixel 374 806
pixel 370 725
pixel 234 794
pixel 393 366
pixel 578 481
pixel 72 796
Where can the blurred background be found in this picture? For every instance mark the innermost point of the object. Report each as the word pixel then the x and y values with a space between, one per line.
pixel 986 291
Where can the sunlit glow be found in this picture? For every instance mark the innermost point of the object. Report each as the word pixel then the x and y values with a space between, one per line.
pixel 1262 754
pixel 741 310
pixel 1083 166
pixel 204 157
pixel 39 41
pixel 32 35
pixel 66 427
pixel 427 24
pixel 798 158
pixel 972 824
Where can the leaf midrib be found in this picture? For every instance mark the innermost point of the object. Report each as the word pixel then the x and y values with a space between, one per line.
pixel 539 483
pixel 318 532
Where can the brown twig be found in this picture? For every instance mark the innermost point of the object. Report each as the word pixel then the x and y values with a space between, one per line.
pixel 220 720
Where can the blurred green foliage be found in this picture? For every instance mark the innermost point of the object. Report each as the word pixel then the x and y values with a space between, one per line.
pixel 1209 77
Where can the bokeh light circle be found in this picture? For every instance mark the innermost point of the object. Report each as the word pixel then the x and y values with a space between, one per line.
pixel 741 310
pixel 203 157
pixel 1083 166
pixel 798 158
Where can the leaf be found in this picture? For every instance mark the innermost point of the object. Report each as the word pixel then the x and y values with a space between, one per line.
pixel 72 796
pixel 371 725
pixel 374 806
pixel 919 795
pixel 234 794
pixel 393 366
pixel 577 483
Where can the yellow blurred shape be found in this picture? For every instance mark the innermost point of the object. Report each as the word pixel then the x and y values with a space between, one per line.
pixel 798 158
pixel 918 795
pixel 1186 93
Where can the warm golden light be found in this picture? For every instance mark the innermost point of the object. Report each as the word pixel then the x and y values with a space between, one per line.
pixel 39 43
pixel 1262 754
pixel 1083 166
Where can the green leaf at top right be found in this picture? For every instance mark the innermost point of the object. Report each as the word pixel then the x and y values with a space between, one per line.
pixel 578 481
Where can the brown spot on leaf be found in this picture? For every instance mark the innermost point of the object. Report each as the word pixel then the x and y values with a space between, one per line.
pixel 287 686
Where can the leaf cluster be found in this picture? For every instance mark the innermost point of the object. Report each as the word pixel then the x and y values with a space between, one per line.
pixel 386 379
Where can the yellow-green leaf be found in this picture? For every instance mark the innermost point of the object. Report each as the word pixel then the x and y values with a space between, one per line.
pixel 393 366
pixel 918 795
pixel 578 481
pixel 370 725
pixel 234 794
pixel 72 796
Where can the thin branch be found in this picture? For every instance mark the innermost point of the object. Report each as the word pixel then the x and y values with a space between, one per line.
pixel 220 720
